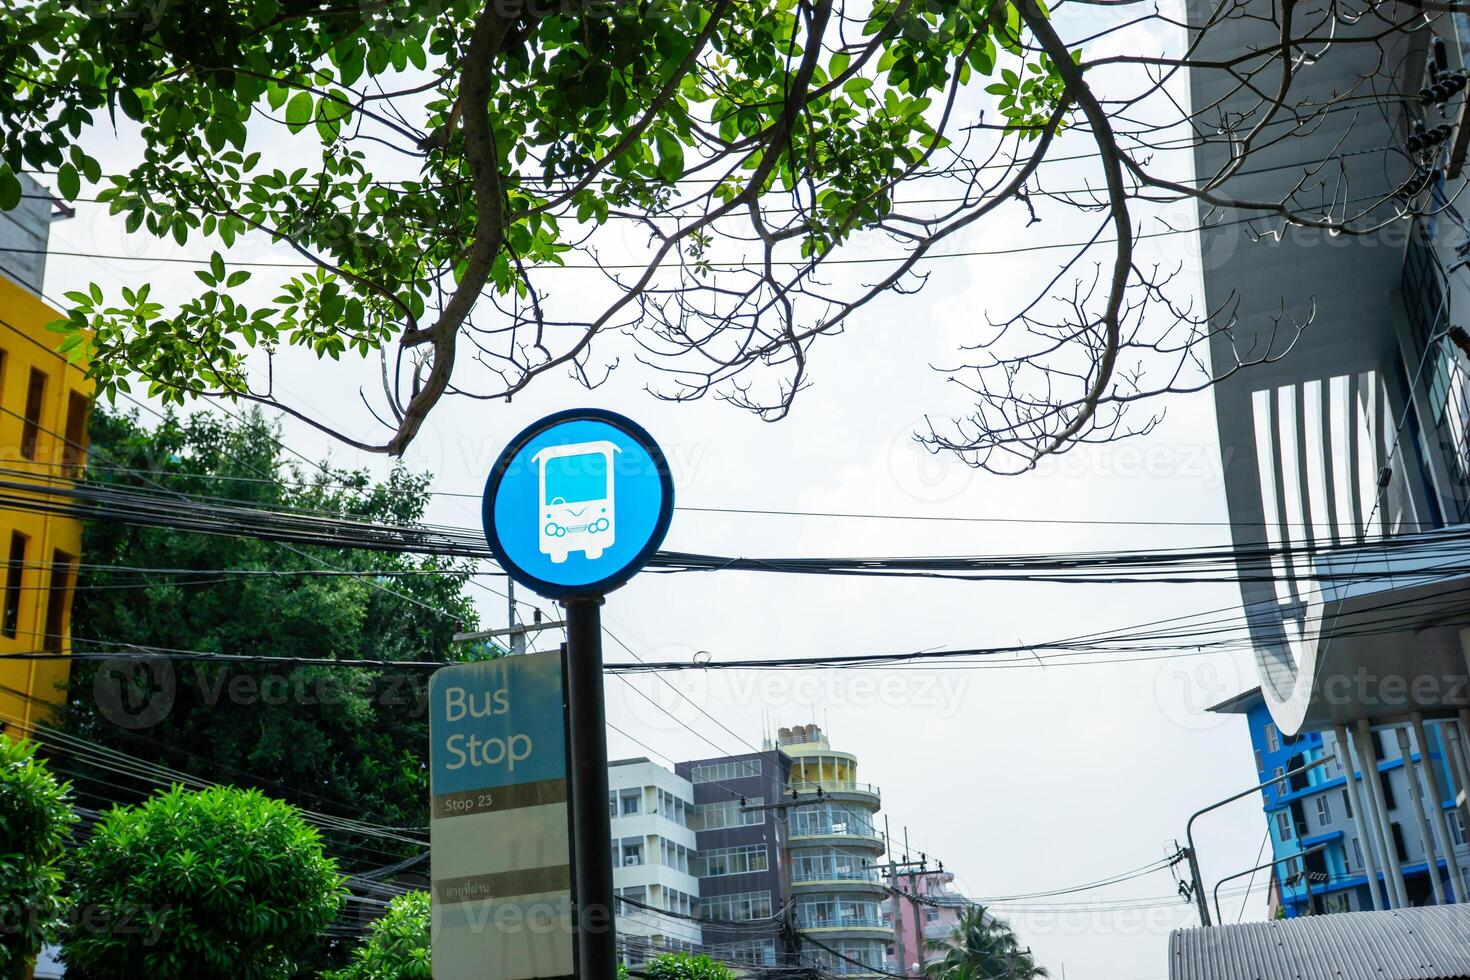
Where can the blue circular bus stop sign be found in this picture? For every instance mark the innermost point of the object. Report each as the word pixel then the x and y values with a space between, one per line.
pixel 577 503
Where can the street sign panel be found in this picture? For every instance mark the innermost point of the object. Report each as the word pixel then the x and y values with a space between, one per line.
pixel 577 503
pixel 498 829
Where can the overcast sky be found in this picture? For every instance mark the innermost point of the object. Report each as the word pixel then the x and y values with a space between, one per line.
pixel 1020 778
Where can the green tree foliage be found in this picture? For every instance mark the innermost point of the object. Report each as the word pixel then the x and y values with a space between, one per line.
pixel 397 948
pixel 220 883
pixel 981 947
pixel 682 966
pixel 346 742
pixel 35 824
pixel 728 133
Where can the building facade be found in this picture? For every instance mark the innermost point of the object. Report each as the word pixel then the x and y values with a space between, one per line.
pixel 653 860
pixel 921 908
pixel 1326 856
pixel 44 404
pixel 743 863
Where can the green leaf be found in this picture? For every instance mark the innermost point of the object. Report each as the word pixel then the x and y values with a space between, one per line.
pixel 9 190
pixel 670 156
pixel 299 111
pixel 68 182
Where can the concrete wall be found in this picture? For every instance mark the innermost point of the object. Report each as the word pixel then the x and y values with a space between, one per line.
pixel 27 230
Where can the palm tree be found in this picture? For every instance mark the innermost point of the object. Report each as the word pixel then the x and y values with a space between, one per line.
pixel 981 947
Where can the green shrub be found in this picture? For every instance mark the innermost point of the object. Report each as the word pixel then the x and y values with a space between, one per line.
pixel 35 823
pixel 681 966
pixel 221 883
pixel 397 947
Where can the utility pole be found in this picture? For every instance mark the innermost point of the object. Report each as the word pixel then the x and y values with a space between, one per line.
pixel 517 637
pixel 912 870
pixel 1197 888
pixel 914 888
pixel 903 960
pixel 517 632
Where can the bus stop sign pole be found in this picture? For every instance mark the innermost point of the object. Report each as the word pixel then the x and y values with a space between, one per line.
pixel 591 823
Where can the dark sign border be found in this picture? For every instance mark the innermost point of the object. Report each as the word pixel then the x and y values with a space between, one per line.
pixel 552 590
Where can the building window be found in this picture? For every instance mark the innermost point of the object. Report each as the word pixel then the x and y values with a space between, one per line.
pixel 752 952
pixel 1273 738
pixel 716 772
pixel 14 575
pixel 74 451
pixel 1279 775
pixel 1324 809
pixel 632 801
pixel 1457 827
pixel 733 861
pixel 58 599
pixel 741 907
pixel 1336 902
pixel 1388 798
pixel 1398 843
pixel 1283 825
pixel 1260 762
pixel 626 897
pixel 35 401
pixel 632 852
pixel 729 813
pixel 1358 853
pixel 1347 804
pixel 931 915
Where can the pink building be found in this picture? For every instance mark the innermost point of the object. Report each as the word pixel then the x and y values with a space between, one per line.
pixel 930 915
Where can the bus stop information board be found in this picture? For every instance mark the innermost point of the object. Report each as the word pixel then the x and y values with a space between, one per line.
pixel 498 829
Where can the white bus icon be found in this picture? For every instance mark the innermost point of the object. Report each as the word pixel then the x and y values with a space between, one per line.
pixel 576 499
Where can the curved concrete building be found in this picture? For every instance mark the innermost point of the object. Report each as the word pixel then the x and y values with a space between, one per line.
pixel 835 847
pixel 1346 459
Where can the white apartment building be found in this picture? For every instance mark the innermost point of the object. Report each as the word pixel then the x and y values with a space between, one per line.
pixel 653 860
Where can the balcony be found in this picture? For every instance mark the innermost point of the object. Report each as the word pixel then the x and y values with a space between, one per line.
pixel 865 880
pixel 815 832
pixel 842 922
pixel 840 789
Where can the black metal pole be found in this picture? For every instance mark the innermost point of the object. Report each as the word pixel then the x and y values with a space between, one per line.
pixel 592 828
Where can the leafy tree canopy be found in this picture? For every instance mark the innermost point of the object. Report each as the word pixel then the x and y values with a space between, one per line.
pixel 35 825
pixel 981 947
pixel 349 743
pixel 224 882
pixel 434 165
pixel 397 948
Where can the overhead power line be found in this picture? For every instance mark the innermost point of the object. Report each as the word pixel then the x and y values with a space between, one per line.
pixel 1442 551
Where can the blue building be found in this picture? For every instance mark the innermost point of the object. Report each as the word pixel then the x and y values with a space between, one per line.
pixel 1324 859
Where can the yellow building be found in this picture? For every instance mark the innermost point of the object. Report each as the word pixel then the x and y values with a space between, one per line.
pixel 44 402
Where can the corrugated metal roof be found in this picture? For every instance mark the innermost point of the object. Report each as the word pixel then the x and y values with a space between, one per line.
pixel 1408 944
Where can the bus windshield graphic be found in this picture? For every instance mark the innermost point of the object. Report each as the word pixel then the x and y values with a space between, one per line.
pixel 575 479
